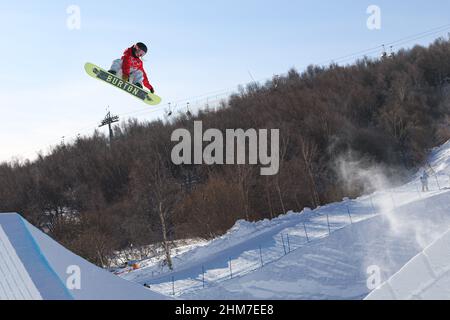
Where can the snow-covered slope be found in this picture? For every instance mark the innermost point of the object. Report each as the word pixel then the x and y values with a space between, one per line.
pixel 24 272
pixel 426 276
pixel 327 253
pixel 33 266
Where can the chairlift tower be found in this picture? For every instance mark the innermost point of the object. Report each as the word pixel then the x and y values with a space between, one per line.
pixel 109 119
pixel 384 52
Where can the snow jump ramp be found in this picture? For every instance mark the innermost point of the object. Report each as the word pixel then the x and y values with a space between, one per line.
pixel 35 267
pixel 425 277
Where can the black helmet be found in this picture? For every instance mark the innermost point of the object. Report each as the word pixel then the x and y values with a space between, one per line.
pixel 142 46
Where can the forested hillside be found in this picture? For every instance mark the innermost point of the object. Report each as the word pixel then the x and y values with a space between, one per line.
pixel 95 197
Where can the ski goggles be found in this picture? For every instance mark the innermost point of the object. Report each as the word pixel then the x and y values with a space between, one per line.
pixel 139 52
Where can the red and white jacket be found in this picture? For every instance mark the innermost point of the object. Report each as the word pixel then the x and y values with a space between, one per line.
pixel 129 61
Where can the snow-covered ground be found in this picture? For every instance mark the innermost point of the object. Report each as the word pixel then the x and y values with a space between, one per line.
pixel 33 267
pixel 155 252
pixel 328 253
pixel 427 276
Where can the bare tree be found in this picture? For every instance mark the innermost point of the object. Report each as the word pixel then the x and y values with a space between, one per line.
pixel 165 197
pixel 309 152
pixel 243 179
pixel 285 138
pixel 267 187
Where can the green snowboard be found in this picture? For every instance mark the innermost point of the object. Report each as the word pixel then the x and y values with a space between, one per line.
pixel 98 73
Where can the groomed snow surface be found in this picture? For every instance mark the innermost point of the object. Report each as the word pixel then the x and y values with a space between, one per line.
pixel 35 267
pixel 427 276
pixel 343 250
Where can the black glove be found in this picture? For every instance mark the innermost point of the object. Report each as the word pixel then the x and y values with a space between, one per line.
pixel 152 90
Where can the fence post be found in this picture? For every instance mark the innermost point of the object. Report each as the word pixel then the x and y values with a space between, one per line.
pixel 437 181
pixel 231 270
pixel 203 276
pixel 350 216
pixel 173 285
pixel 284 247
pixel 306 232
pixel 435 176
pixel 289 243
pixel 260 255
pixel 371 202
pixel 328 223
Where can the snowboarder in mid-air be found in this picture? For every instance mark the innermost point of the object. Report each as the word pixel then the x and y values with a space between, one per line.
pixel 130 67
pixel 127 74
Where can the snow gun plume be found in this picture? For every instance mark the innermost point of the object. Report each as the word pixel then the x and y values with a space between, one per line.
pixel 359 175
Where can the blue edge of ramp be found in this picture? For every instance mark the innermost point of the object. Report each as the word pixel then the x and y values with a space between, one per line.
pixel 46 280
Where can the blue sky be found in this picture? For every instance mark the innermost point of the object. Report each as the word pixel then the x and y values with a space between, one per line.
pixel 195 48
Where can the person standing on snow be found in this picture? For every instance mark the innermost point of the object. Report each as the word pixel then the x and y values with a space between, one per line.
pixel 131 68
pixel 424 180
